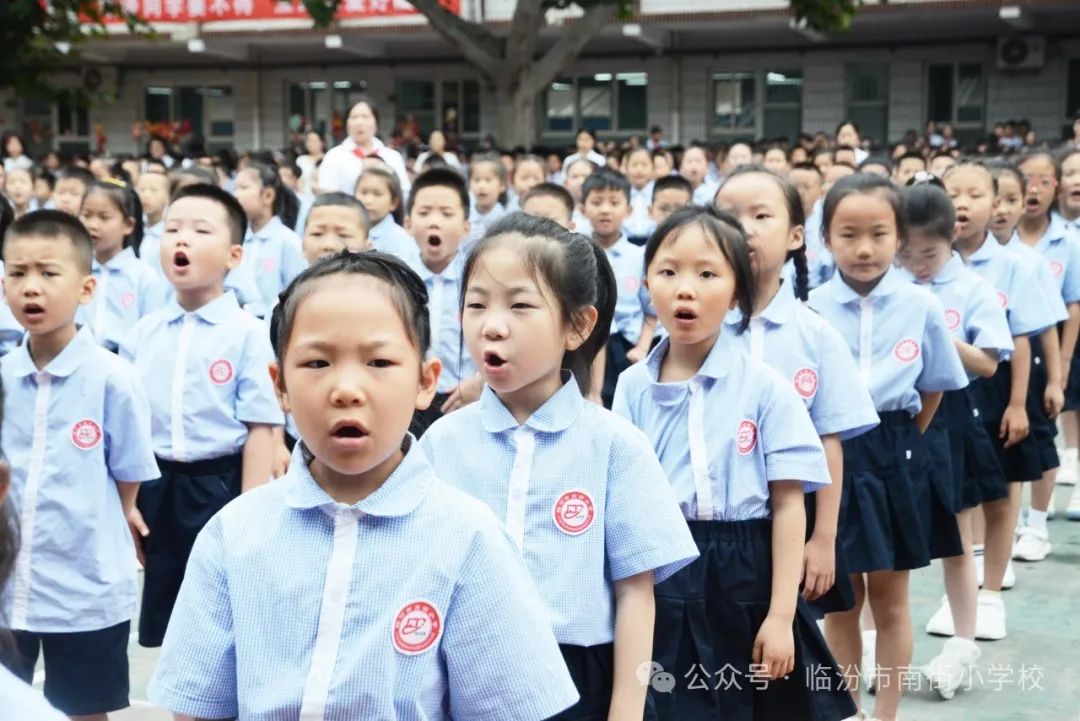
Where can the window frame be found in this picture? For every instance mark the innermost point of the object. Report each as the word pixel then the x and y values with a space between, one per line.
pixel 612 83
pixel 882 105
pixel 212 143
pixel 762 104
pixel 966 127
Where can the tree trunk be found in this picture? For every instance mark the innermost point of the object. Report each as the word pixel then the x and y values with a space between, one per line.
pixel 515 117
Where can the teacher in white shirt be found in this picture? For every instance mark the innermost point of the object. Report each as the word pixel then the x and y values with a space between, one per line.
pixel 342 166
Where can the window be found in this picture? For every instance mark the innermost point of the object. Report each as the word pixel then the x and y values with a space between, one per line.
pixel 956 93
pixel 452 106
pixel 1072 94
pixel 866 97
pixel 206 112
pixel 321 106
pixel 747 105
pixel 607 102
pixel 72 126
pixel 461 106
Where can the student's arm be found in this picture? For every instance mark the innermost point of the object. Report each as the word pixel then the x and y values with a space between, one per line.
pixel 1014 423
pixel 930 402
pixel 280 465
pixel 648 330
pixel 596 376
pixel 819 573
pixel 139 530
pixel 1068 342
pixel 1054 396
pixel 774 647
pixel 258 456
pixel 635 612
pixel 982 362
pixel 466 392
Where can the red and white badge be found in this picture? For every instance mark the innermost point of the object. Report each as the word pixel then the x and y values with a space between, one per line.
pixel 1057 267
pixel 906 350
pixel 632 283
pixel 86 435
pixel 417 626
pixel 952 318
pixel 574 512
pixel 1003 298
pixel 127 299
pixel 221 372
pixel 806 380
pixel 746 437
pixel 269 265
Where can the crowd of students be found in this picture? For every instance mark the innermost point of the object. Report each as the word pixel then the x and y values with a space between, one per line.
pixel 605 437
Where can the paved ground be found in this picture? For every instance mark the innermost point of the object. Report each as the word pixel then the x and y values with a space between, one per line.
pixel 1033 675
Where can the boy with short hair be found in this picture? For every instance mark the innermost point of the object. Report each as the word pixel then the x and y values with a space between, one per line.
pixel 153 190
pixel 335 222
pixel 203 361
pixel 437 217
pixel 551 201
pixel 907 166
pixel 77 434
pixel 669 194
pixel 72 182
pixel 606 199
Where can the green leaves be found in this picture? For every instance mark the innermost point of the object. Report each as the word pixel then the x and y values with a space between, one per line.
pixel 827 16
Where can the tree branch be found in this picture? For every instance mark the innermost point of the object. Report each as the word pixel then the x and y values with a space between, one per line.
pixel 479 46
pixel 572 40
pixel 524 30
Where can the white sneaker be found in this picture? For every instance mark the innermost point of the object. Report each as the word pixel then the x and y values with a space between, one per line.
pixel 950 669
pixel 868 668
pixel 1009 579
pixel 990 621
pixel 941 623
pixel 1033 545
pixel 1069 472
pixel 1072 511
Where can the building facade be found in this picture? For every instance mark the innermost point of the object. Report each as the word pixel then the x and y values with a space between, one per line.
pixel 710 70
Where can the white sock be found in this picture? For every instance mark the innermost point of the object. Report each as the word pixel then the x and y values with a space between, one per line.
pixel 1037 519
pixel 977 549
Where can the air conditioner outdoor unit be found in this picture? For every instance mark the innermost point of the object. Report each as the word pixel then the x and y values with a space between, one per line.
pixel 1021 52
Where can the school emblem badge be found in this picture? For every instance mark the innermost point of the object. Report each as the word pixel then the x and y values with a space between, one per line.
pixel 806 380
pixel 574 512
pixel 127 299
pixel 86 435
pixel 906 350
pixel 746 437
pixel 632 282
pixel 952 318
pixel 221 372
pixel 1057 267
pixel 1004 299
pixel 417 626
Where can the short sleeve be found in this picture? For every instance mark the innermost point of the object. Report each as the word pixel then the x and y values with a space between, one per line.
pixel 791 445
pixel 1070 287
pixel 196 671
pixel 129 343
pixel 129 446
pixel 502 659
pixel 620 404
pixel 293 263
pixel 942 369
pixel 255 398
pixel 843 404
pixel 1028 310
pixel 986 325
pixel 1047 285
pixel 644 528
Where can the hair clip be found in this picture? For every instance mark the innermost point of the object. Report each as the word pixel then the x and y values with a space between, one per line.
pixel 925 177
pixel 116 182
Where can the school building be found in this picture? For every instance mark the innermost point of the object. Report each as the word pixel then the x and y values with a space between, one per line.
pixel 250 73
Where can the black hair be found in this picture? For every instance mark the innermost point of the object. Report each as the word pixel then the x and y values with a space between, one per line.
pixel 127 202
pixel 843 148
pixel 433 160
pixel 286 205
pixel 441 178
pixel 796 217
pixel 861 184
pixel 575 269
pixel 500 171
pixel 530 158
pixel 56 224
pixel 342 200
pixel 926 205
pixel 881 160
pixel 49 178
pixel 672 182
pixel 912 155
pixel 372 106
pixel 586 131
pixel 550 190
pixel 8 136
pixel 409 294
pixel 7 216
pixel 818 152
pixel 1041 153
pixel 852 124
pixel 9 552
pixel 810 167
pixel 605 179
pixel 729 235
pixel 383 171
pixel 234 213
pixel 201 175
pixel 74 172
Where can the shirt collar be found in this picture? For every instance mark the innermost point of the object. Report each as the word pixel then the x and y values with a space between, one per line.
pixel 399 495
pixel 355 150
pixel 452 271
pixel 63 365
pixel 843 293
pixel 267 231
pixel 780 309
pixel 119 262
pixel 990 248
pixel 950 271
pixel 619 246
pixel 214 312
pixel 717 362
pixel 556 414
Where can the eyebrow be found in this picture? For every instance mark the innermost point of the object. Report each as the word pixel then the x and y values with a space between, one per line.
pixel 322 345
pixel 515 290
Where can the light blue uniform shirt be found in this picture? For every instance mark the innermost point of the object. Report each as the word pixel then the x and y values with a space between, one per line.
pixel 150 248
pixel 973 311
pixel 580 493
pixel 411 604
pixel 11 333
pixel 126 291
pixel 723 435
pixel 444 290
pixel 803 348
pixel 581 223
pixel 71 431
pixel 1060 248
pixel 819 260
pixel 640 223
pixel 389 237
pixel 207 378
pixel 633 303
pixel 22 703
pixel 898 336
pixel 274 256
pixel 1026 307
pixel 480 222
pixel 1045 282
pixel 705 194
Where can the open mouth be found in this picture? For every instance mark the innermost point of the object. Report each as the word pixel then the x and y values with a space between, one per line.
pixel 434 241
pixel 348 429
pixel 685 314
pixel 180 260
pixel 1032 203
pixel 33 310
pixel 494 360
pixel 962 218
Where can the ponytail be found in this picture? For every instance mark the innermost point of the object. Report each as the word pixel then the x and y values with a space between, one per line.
pixel 580 361
pixel 802 273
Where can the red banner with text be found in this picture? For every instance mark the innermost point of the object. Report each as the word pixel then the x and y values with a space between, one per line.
pixel 187 11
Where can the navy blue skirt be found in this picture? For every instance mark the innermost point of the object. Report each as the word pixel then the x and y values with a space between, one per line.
pixel 593 671
pixel 841 597
pixel 707 618
pixel 937 492
pixel 977 473
pixel 880 526
pixel 1043 429
pixel 1021 462
pixel 1072 388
